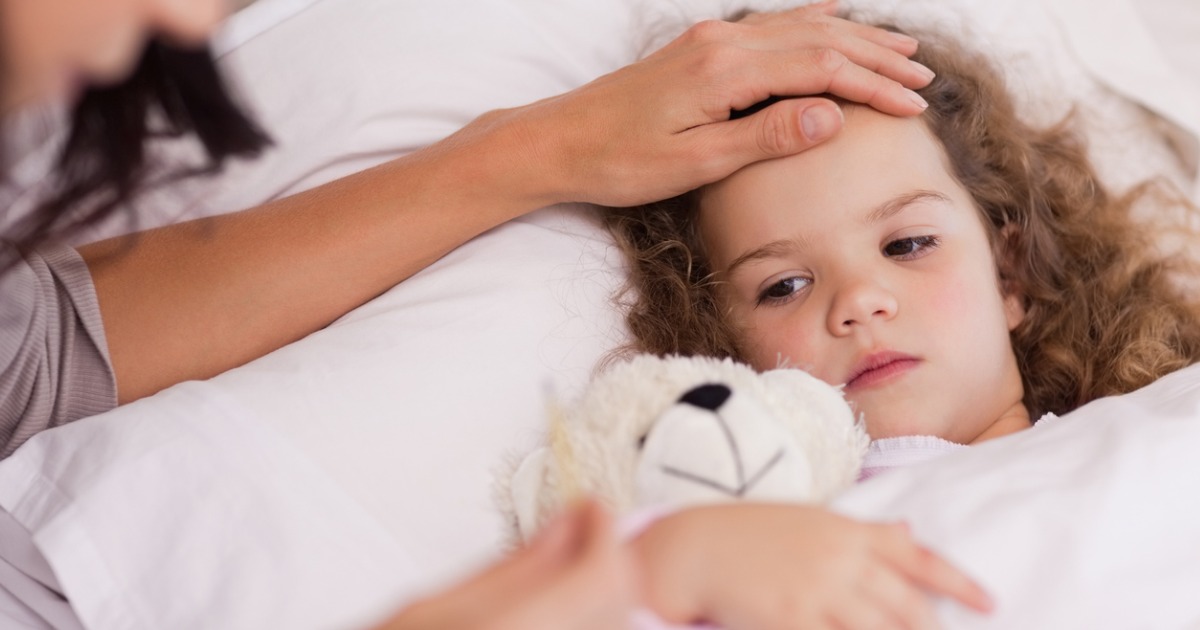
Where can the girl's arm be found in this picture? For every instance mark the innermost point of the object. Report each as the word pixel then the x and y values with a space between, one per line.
pixel 780 566
pixel 192 300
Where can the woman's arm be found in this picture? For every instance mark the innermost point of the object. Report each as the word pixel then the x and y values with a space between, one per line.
pixel 192 300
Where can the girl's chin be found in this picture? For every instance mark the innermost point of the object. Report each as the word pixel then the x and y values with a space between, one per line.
pixel 885 427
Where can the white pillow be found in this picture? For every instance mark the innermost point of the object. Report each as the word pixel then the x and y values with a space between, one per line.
pixel 1142 117
pixel 1175 24
pixel 323 484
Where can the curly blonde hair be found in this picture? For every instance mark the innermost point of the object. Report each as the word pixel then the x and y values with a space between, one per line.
pixel 1104 314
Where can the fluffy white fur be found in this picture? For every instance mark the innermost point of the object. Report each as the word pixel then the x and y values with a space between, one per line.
pixel 781 435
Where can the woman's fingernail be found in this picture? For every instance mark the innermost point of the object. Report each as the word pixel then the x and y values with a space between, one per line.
pixel 925 71
pixel 905 39
pixel 917 100
pixel 821 121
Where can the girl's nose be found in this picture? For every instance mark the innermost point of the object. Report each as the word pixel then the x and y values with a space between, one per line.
pixel 858 304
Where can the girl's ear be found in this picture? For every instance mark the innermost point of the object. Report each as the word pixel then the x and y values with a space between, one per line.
pixel 1014 310
pixel 1006 265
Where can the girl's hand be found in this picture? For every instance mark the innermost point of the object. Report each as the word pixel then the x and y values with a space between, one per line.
pixel 574 576
pixel 661 127
pixel 774 566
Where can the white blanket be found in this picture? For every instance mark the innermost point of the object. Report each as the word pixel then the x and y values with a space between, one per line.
pixel 1090 521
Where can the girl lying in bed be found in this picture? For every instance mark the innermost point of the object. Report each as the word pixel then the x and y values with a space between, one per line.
pixel 961 274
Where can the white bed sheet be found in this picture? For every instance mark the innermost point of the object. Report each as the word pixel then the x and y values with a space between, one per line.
pixel 325 483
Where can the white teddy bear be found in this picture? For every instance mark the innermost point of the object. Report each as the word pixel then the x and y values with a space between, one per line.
pixel 671 432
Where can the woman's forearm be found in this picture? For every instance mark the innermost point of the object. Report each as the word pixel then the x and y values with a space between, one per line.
pixel 191 300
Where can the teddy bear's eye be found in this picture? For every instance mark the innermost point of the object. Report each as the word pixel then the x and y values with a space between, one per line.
pixel 642 442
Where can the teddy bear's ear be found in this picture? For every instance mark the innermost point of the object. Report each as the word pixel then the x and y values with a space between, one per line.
pixel 527 481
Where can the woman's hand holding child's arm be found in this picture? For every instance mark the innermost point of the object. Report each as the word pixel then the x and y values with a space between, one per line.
pixel 575 575
pixel 775 566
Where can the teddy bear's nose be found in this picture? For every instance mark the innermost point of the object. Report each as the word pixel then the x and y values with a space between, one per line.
pixel 710 396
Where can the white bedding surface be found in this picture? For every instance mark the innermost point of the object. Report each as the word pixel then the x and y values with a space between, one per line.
pixel 323 484
pixel 1090 521
pixel 223 537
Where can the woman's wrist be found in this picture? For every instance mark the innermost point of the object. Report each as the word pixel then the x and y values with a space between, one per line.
pixel 518 153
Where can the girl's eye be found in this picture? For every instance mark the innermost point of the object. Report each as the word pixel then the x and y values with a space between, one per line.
pixel 783 290
pixel 909 248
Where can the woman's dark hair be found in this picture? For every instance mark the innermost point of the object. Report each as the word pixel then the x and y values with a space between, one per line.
pixel 102 165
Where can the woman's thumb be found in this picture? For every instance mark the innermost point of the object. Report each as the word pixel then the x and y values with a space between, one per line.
pixel 794 125
pixel 785 128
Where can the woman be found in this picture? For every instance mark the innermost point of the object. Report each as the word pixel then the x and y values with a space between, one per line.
pixel 142 320
pixel 84 330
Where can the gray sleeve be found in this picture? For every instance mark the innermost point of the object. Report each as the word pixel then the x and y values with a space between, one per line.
pixel 54 365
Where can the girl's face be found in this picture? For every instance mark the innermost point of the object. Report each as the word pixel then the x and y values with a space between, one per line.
pixel 864 262
pixel 53 47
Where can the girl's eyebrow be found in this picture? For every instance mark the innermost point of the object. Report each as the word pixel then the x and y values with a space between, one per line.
pixel 889 208
pixel 774 249
pixel 894 205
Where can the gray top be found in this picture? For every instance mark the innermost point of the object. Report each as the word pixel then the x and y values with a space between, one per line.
pixel 54 365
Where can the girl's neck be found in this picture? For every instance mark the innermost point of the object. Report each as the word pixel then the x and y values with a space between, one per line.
pixel 1016 418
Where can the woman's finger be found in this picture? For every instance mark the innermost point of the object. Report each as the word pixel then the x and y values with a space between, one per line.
pixel 543 559
pixel 856 42
pixel 899 42
pixel 573 576
pixel 818 24
pixel 740 66
pixel 873 48
pixel 820 71
pixel 593 591
pixel 785 128
pixel 798 14
pixel 860 45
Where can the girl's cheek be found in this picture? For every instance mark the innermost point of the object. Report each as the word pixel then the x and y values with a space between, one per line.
pixel 950 300
pixel 782 343
pixel 962 298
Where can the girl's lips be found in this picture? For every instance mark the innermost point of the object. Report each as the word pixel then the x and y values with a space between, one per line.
pixel 880 368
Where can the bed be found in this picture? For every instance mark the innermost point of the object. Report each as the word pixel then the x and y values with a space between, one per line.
pixel 328 482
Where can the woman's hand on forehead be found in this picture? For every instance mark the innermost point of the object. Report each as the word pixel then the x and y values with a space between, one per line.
pixel 662 127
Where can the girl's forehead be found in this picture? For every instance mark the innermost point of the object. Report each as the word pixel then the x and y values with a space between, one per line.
pixel 874 156
pixel 831 190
